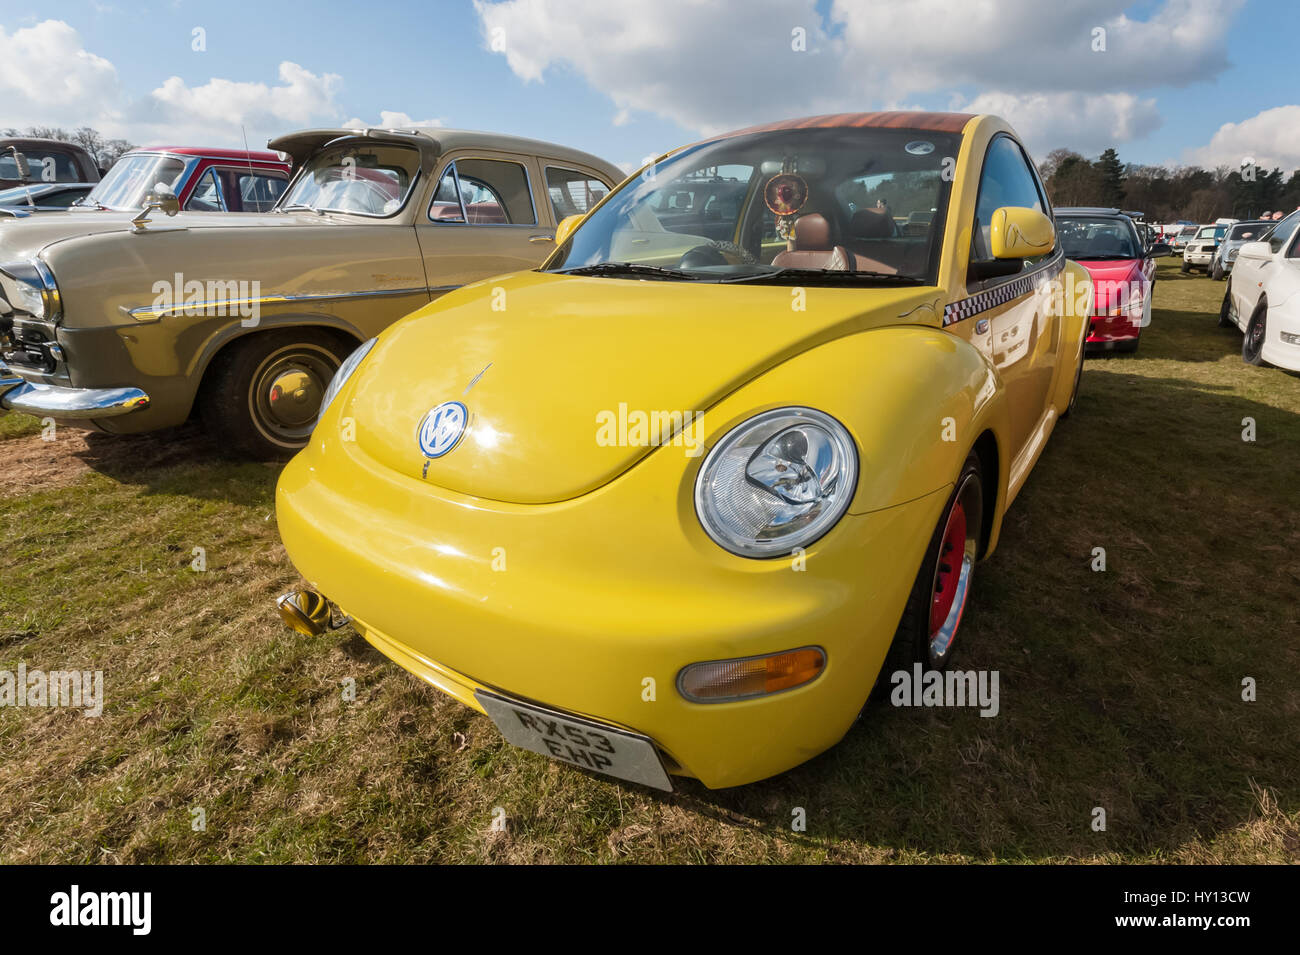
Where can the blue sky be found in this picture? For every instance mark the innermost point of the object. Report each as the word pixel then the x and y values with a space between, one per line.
pixel 625 80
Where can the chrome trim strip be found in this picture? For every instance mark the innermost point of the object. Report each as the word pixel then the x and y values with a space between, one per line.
pixel 73 403
pixel 146 312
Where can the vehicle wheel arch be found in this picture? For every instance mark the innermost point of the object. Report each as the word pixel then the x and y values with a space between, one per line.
pixel 230 335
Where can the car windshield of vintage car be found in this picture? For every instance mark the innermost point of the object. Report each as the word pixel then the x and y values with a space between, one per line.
pixel 1096 239
pixel 831 206
pixel 363 178
pixel 129 181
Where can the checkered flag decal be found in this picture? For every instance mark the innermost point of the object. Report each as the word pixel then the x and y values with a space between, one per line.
pixel 973 305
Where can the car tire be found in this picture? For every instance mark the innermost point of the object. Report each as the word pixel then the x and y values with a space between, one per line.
pixel 1184 268
pixel 1225 310
pixel 1252 345
pixel 237 401
pixel 943 580
pixel 1216 272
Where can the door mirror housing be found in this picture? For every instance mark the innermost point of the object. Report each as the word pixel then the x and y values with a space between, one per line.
pixel 565 228
pixel 1255 250
pixel 1019 233
pixel 1158 250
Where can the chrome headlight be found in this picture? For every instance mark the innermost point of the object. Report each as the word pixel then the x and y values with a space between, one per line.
pixel 343 374
pixel 776 482
pixel 29 287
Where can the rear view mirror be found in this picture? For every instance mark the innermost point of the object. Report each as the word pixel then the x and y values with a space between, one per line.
pixel 1255 250
pixel 1159 249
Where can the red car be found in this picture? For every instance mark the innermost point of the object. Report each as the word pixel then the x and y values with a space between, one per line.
pixel 1107 243
pixel 204 180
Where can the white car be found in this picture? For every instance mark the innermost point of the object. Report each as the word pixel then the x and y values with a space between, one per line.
pixel 1263 297
pixel 1200 250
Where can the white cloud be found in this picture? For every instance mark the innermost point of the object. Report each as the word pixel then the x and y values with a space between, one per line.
pixel 713 66
pixel 48 78
pixel 1029 46
pixel 1269 138
pixel 219 107
pixel 1087 122
pixel 707 66
pixel 390 119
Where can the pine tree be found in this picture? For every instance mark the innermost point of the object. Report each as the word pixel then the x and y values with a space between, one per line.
pixel 1112 178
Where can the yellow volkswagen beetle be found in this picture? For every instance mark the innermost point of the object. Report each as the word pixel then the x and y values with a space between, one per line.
pixel 663 506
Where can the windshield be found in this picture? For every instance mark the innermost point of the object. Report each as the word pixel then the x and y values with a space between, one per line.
pixel 1189 230
pixel 356 176
pixel 1249 231
pixel 128 183
pixel 17 195
pixel 1212 232
pixel 1098 238
pixel 823 206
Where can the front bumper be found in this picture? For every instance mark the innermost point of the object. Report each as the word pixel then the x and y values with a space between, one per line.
pixel 69 404
pixel 1198 258
pixel 1108 329
pixel 594 605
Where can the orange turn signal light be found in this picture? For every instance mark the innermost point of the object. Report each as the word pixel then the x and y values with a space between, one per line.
pixel 720 681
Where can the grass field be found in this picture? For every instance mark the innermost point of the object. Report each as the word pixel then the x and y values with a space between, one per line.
pixel 1120 689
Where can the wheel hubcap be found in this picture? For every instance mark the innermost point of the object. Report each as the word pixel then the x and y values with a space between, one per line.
pixel 287 392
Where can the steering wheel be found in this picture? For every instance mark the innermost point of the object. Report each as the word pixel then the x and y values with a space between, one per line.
pixel 715 252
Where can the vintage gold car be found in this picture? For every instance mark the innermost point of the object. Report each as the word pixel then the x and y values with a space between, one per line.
pixel 128 322
pixel 663 506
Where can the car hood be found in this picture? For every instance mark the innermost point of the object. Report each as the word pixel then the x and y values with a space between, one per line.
pixel 557 372
pixel 24 238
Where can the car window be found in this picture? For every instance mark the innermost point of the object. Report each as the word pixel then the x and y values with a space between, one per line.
pixel 492 192
pixel 1096 239
pixel 46 166
pixel 371 179
pixel 1006 180
pixel 1283 232
pixel 1248 231
pixel 857 205
pixel 60 200
pixel 259 192
pixel 571 192
pixel 705 202
pixel 206 196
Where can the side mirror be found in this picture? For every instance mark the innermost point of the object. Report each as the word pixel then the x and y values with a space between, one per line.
pixel 21 163
pixel 1019 233
pixel 1255 250
pixel 1158 250
pixel 565 228
pixel 161 198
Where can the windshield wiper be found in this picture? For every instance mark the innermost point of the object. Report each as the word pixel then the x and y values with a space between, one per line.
pixel 836 277
pixel 628 268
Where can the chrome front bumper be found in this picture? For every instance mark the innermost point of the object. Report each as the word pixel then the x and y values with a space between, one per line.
pixel 60 403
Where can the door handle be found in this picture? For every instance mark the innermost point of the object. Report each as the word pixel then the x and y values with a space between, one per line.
pixel 541 238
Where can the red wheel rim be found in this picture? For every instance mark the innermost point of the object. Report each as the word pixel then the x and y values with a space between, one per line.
pixel 951 553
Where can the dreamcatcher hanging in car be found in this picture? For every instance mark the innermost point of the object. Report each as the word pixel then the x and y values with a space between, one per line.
pixel 785 194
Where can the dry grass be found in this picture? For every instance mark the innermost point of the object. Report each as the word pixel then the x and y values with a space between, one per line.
pixel 1119 689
